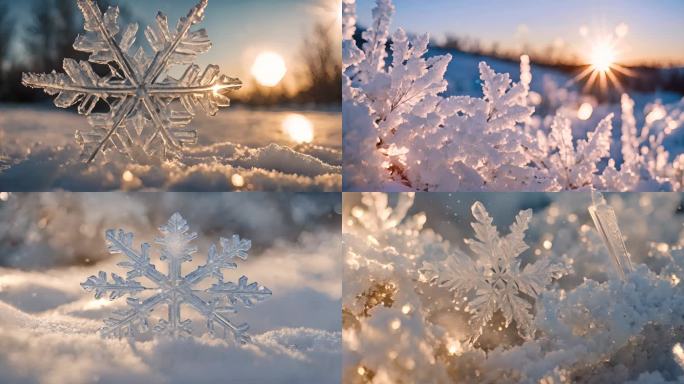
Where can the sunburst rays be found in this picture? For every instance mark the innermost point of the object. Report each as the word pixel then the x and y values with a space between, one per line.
pixel 601 68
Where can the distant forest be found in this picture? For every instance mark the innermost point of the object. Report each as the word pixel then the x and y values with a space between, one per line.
pixel 650 76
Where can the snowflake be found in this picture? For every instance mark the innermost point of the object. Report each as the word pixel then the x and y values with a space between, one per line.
pixel 148 113
pixel 495 277
pixel 174 289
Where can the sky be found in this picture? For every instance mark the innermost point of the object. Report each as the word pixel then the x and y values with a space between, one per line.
pixel 239 29
pixel 655 28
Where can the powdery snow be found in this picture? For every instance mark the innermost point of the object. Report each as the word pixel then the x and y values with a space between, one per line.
pixel 38 152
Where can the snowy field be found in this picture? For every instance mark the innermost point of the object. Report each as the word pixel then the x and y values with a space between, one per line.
pixel 239 149
pixel 50 243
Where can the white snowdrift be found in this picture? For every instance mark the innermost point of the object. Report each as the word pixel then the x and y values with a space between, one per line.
pixel 37 152
pixel 48 326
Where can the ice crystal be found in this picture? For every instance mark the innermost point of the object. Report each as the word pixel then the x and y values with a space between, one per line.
pixel 148 110
pixel 495 276
pixel 606 223
pixel 174 289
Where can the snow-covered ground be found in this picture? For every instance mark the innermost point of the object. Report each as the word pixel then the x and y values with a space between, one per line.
pixel 48 323
pixel 238 149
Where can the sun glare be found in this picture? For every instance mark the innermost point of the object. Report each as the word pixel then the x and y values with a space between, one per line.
pixel 299 128
pixel 602 57
pixel 268 69
pixel 602 66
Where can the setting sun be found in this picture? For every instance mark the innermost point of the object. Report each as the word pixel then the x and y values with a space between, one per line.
pixel 602 57
pixel 269 69
pixel 602 66
pixel 299 128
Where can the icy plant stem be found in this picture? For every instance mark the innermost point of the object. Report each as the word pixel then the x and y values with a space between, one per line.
pixel 607 226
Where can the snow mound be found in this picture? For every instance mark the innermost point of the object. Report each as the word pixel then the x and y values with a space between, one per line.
pixel 212 168
pixel 37 153
pixel 76 354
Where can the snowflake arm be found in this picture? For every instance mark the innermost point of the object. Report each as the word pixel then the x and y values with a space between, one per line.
pixel 235 247
pixel 117 288
pixel 486 243
pixel 240 293
pixel 131 321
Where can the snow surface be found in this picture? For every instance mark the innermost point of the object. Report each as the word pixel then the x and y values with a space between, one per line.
pixel 38 152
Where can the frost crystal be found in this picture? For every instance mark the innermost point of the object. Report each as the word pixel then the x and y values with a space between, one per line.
pixel 495 277
pixel 174 289
pixel 148 110
pixel 606 223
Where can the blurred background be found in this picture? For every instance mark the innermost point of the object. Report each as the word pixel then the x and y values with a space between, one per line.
pixel 652 224
pixel 637 44
pixel 60 229
pixel 285 51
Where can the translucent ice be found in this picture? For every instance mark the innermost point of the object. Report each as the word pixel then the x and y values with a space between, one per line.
pixel 173 289
pixel 149 111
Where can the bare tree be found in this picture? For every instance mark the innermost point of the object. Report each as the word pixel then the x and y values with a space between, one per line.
pixel 322 66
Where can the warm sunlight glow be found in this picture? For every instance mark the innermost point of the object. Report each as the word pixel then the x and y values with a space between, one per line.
pixel 453 346
pixel 237 180
pixel 602 68
pixel 584 112
pixel 268 69
pixel 299 128
pixel 602 57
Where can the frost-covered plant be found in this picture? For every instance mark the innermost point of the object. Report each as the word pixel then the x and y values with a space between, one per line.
pixel 148 110
pixel 400 133
pixel 429 142
pixel 646 163
pixel 172 290
pixel 383 294
pixel 573 165
pixel 495 278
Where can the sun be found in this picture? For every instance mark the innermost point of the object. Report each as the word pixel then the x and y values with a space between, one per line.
pixel 299 128
pixel 602 57
pixel 268 68
pixel 602 67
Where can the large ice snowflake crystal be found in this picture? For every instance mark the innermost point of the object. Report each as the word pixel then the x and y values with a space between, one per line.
pixel 495 276
pixel 148 110
pixel 173 289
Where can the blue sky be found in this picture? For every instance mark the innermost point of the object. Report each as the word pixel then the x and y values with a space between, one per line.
pixel 655 27
pixel 239 29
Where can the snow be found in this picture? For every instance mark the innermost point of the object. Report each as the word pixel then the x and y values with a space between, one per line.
pixel 50 325
pixel 414 116
pixel 37 152
pixel 597 323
